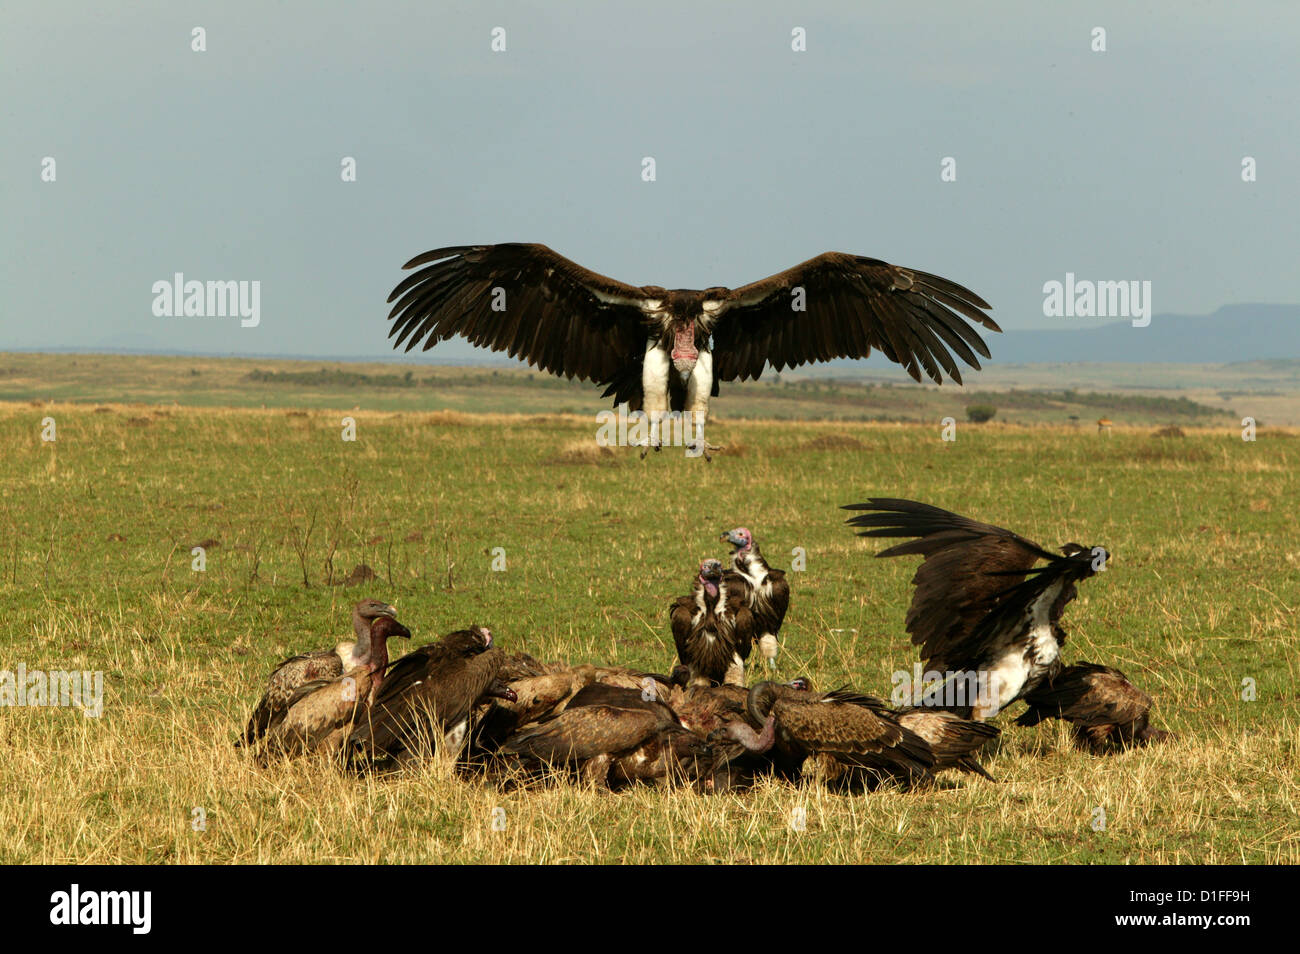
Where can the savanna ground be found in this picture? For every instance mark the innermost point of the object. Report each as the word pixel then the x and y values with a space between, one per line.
pixel 96 574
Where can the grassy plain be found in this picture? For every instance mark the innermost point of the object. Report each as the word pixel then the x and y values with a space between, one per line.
pixel 95 574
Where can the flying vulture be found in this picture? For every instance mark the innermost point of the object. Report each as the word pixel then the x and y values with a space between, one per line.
pixel 318 715
pixel 662 350
pixel 429 696
pixel 987 620
pixel 1107 711
pixel 296 671
pixel 835 726
pixel 770 593
pixel 713 627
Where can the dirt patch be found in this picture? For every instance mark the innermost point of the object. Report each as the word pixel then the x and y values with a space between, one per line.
pixel 360 574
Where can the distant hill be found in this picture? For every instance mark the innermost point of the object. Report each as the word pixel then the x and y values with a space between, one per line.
pixel 1233 333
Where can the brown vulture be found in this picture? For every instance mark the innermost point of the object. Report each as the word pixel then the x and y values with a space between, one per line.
pixel 713 627
pixel 429 697
pixel 987 620
pixel 613 736
pixel 836 727
pixel 299 670
pixel 318 715
pixel 770 593
pixel 543 690
pixel 1107 711
pixel 662 350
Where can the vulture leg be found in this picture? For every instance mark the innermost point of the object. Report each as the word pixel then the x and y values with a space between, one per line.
pixel 768 645
pixel 735 675
pixel 698 388
pixel 654 391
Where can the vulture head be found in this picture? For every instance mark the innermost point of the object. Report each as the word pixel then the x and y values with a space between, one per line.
pixel 1093 557
pixel 367 611
pixel 468 642
pixel 801 683
pixel 740 731
pixel 711 576
pixel 740 539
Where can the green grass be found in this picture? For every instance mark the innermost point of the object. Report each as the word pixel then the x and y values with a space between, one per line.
pixel 1201 593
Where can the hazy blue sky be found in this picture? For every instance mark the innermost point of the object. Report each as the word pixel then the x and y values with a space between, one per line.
pixel 226 164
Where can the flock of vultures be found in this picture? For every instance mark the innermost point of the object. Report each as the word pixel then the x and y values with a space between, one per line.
pixel 986 614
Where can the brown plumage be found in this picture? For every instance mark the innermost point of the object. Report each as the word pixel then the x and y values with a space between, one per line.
pixel 1107 711
pixel 613 736
pixel 532 303
pixel 837 725
pixel 981 609
pixel 713 627
pixel 429 696
pixel 319 713
pixel 769 594
pixel 297 671
pixel 953 740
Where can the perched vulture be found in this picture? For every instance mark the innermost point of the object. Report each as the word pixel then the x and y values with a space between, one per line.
pixel 1107 711
pixel 429 696
pixel 987 620
pixel 317 717
pixel 297 671
pixel 614 736
pixel 770 593
pixel 713 626
pixel 662 350
pixel 835 726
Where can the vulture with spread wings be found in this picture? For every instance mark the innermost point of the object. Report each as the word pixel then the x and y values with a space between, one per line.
pixel 662 350
pixel 986 618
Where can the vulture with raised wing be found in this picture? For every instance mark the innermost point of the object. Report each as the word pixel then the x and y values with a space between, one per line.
pixel 319 714
pixel 834 726
pixel 614 736
pixel 662 350
pixel 988 620
pixel 769 594
pixel 429 696
pixel 297 671
pixel 713 627
pixel 1108 713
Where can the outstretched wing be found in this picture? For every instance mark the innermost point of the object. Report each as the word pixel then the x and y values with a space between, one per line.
pixel 851 305
pixel 969 568
pixel 554 313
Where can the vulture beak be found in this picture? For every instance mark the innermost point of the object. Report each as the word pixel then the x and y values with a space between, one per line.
pixel 735 539
pixel 498 691
pixel 384 609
